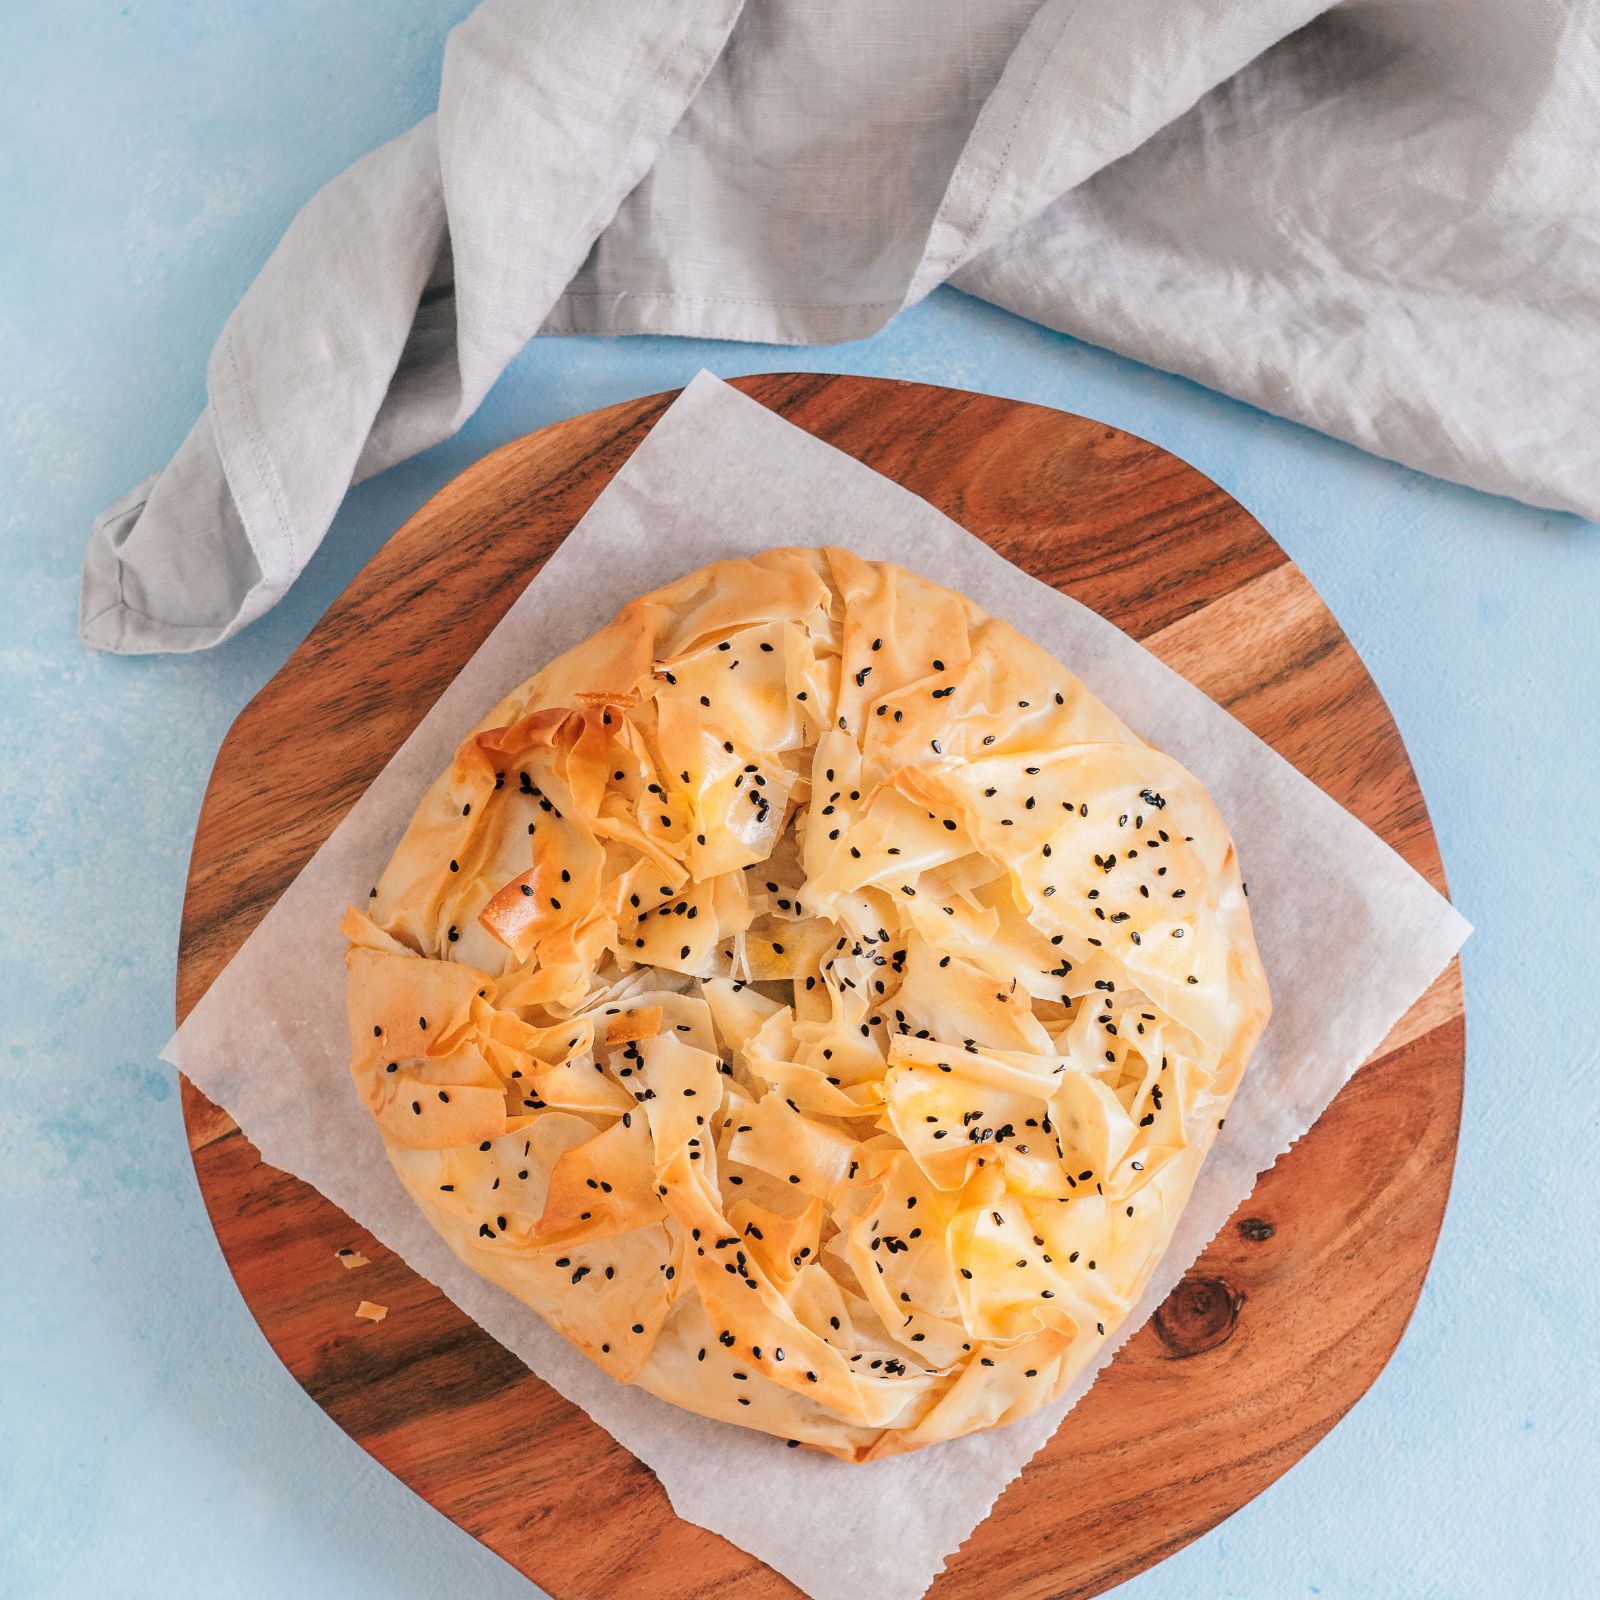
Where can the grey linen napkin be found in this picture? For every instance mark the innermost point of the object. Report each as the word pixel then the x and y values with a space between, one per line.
pixel 1377 218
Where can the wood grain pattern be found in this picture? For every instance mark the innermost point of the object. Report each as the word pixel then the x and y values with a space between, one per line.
pixel 1281 1325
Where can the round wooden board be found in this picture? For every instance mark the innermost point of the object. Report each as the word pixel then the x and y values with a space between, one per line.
pixel 1282 1324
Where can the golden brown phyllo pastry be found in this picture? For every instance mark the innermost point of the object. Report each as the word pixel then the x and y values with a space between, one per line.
pixel 812 1002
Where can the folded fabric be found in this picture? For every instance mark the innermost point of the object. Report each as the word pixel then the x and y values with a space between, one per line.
pixel 1377 218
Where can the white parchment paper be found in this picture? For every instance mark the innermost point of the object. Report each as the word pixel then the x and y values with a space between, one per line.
pixel 1350 936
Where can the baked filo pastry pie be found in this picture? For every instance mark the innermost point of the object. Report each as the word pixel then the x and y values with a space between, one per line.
pixel 812 1002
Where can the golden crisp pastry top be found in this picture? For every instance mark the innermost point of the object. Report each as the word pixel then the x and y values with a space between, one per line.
pixel 812 1001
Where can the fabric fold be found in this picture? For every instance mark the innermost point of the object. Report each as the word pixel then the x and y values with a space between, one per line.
pixel 1380 228
pixel 1087 85
pixel 392 303
pixel 1375 219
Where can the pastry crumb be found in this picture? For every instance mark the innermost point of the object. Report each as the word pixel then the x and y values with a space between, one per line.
pixel 372 1313
pixel 350 1259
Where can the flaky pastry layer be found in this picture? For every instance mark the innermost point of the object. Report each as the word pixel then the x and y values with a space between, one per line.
pixel 812 1001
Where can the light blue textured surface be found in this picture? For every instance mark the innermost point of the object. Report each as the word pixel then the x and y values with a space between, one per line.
pixel 150 1444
